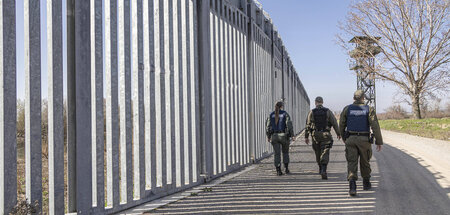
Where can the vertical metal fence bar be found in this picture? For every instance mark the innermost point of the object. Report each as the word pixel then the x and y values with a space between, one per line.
pixel 188 89
pixel 205 53
pixel 33 144
pixel 232 93
pixel 93 102
pixel 258 92
pixel 112 127
pixel 128 100
pixel 243 91
pixel 99 103
pixel 147 93
pixel 217 100
pixel 242 132
pixel 136 47
pixel 71 149
pixel 184 70
pixel 228 86
pixel 135 99
pixel 254 98
pixel 240 102
pixel 214 83
pixel 195 89
pixel 195 92
pixel 182 92
pixel 259 74
pixel 83 108
pixel 225 93
pixel 247 91
pixel 176 90
pixel 167 73
pixel 141 149
pixel 159 90
pixel 171 108
pixel 237 101
pixel 55 107
pixel 227 90
pixel 153 66
pixel 8 109
pixel 125 101
pixel 220 96
pixel 122 107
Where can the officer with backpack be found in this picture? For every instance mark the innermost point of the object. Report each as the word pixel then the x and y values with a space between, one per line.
pixel 355 123
pixel 279 131
pixel 318 124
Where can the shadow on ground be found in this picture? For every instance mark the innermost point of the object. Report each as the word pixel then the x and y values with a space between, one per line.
pixel 259 191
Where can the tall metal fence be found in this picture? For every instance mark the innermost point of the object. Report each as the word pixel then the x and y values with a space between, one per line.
pixel 160 95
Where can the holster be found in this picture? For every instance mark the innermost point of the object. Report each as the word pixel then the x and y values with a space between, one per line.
pixel 371 138
pixel 331 144
pixel 346 135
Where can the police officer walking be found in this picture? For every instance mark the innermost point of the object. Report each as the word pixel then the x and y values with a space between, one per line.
pixel 318 124
pixel 279 132
pixel 355 123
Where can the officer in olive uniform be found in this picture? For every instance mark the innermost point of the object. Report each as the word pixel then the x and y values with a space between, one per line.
pixel 355 123
pixel 279 132
pixel 318 124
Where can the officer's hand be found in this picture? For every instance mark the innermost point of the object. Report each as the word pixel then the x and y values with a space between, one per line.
pixel 379 148
pixel 339 137
pixel 307 141
pixel 269 140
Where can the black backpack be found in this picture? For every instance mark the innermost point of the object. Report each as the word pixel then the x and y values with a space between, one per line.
pixel 320 118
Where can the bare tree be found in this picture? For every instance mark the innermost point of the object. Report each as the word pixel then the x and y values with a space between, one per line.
pixel 415 47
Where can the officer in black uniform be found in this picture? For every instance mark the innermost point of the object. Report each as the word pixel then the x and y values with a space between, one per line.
pixel 318 124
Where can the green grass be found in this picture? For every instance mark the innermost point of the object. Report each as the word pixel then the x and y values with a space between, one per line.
pixel 432 127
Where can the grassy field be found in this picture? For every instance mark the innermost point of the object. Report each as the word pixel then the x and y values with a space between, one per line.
pixel 432 128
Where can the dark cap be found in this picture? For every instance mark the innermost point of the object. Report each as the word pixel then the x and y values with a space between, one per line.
pixel 358 95
pixel 319 99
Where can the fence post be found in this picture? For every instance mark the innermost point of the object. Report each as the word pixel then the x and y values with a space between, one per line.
pixel 55 107
pixel 97 119
pixel 71 114
pixel 83 107
pixel 33 144
pixel 8 150
pixel 250 71
pixel 204 87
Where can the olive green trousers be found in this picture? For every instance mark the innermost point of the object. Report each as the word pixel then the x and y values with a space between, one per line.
pixel 280 143
pixel 358 147
pixel 321 145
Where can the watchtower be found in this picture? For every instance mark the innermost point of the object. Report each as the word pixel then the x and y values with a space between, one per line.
pixel 363 63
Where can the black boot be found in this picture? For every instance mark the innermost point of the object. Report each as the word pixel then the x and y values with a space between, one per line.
pixel 279 171
pixel 287 168
pixel 352 185
pixel 324 172
pixel 366 184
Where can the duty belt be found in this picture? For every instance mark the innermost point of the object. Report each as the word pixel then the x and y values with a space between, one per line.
pixel 323 130
pixel 278 132
pixel 359 134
